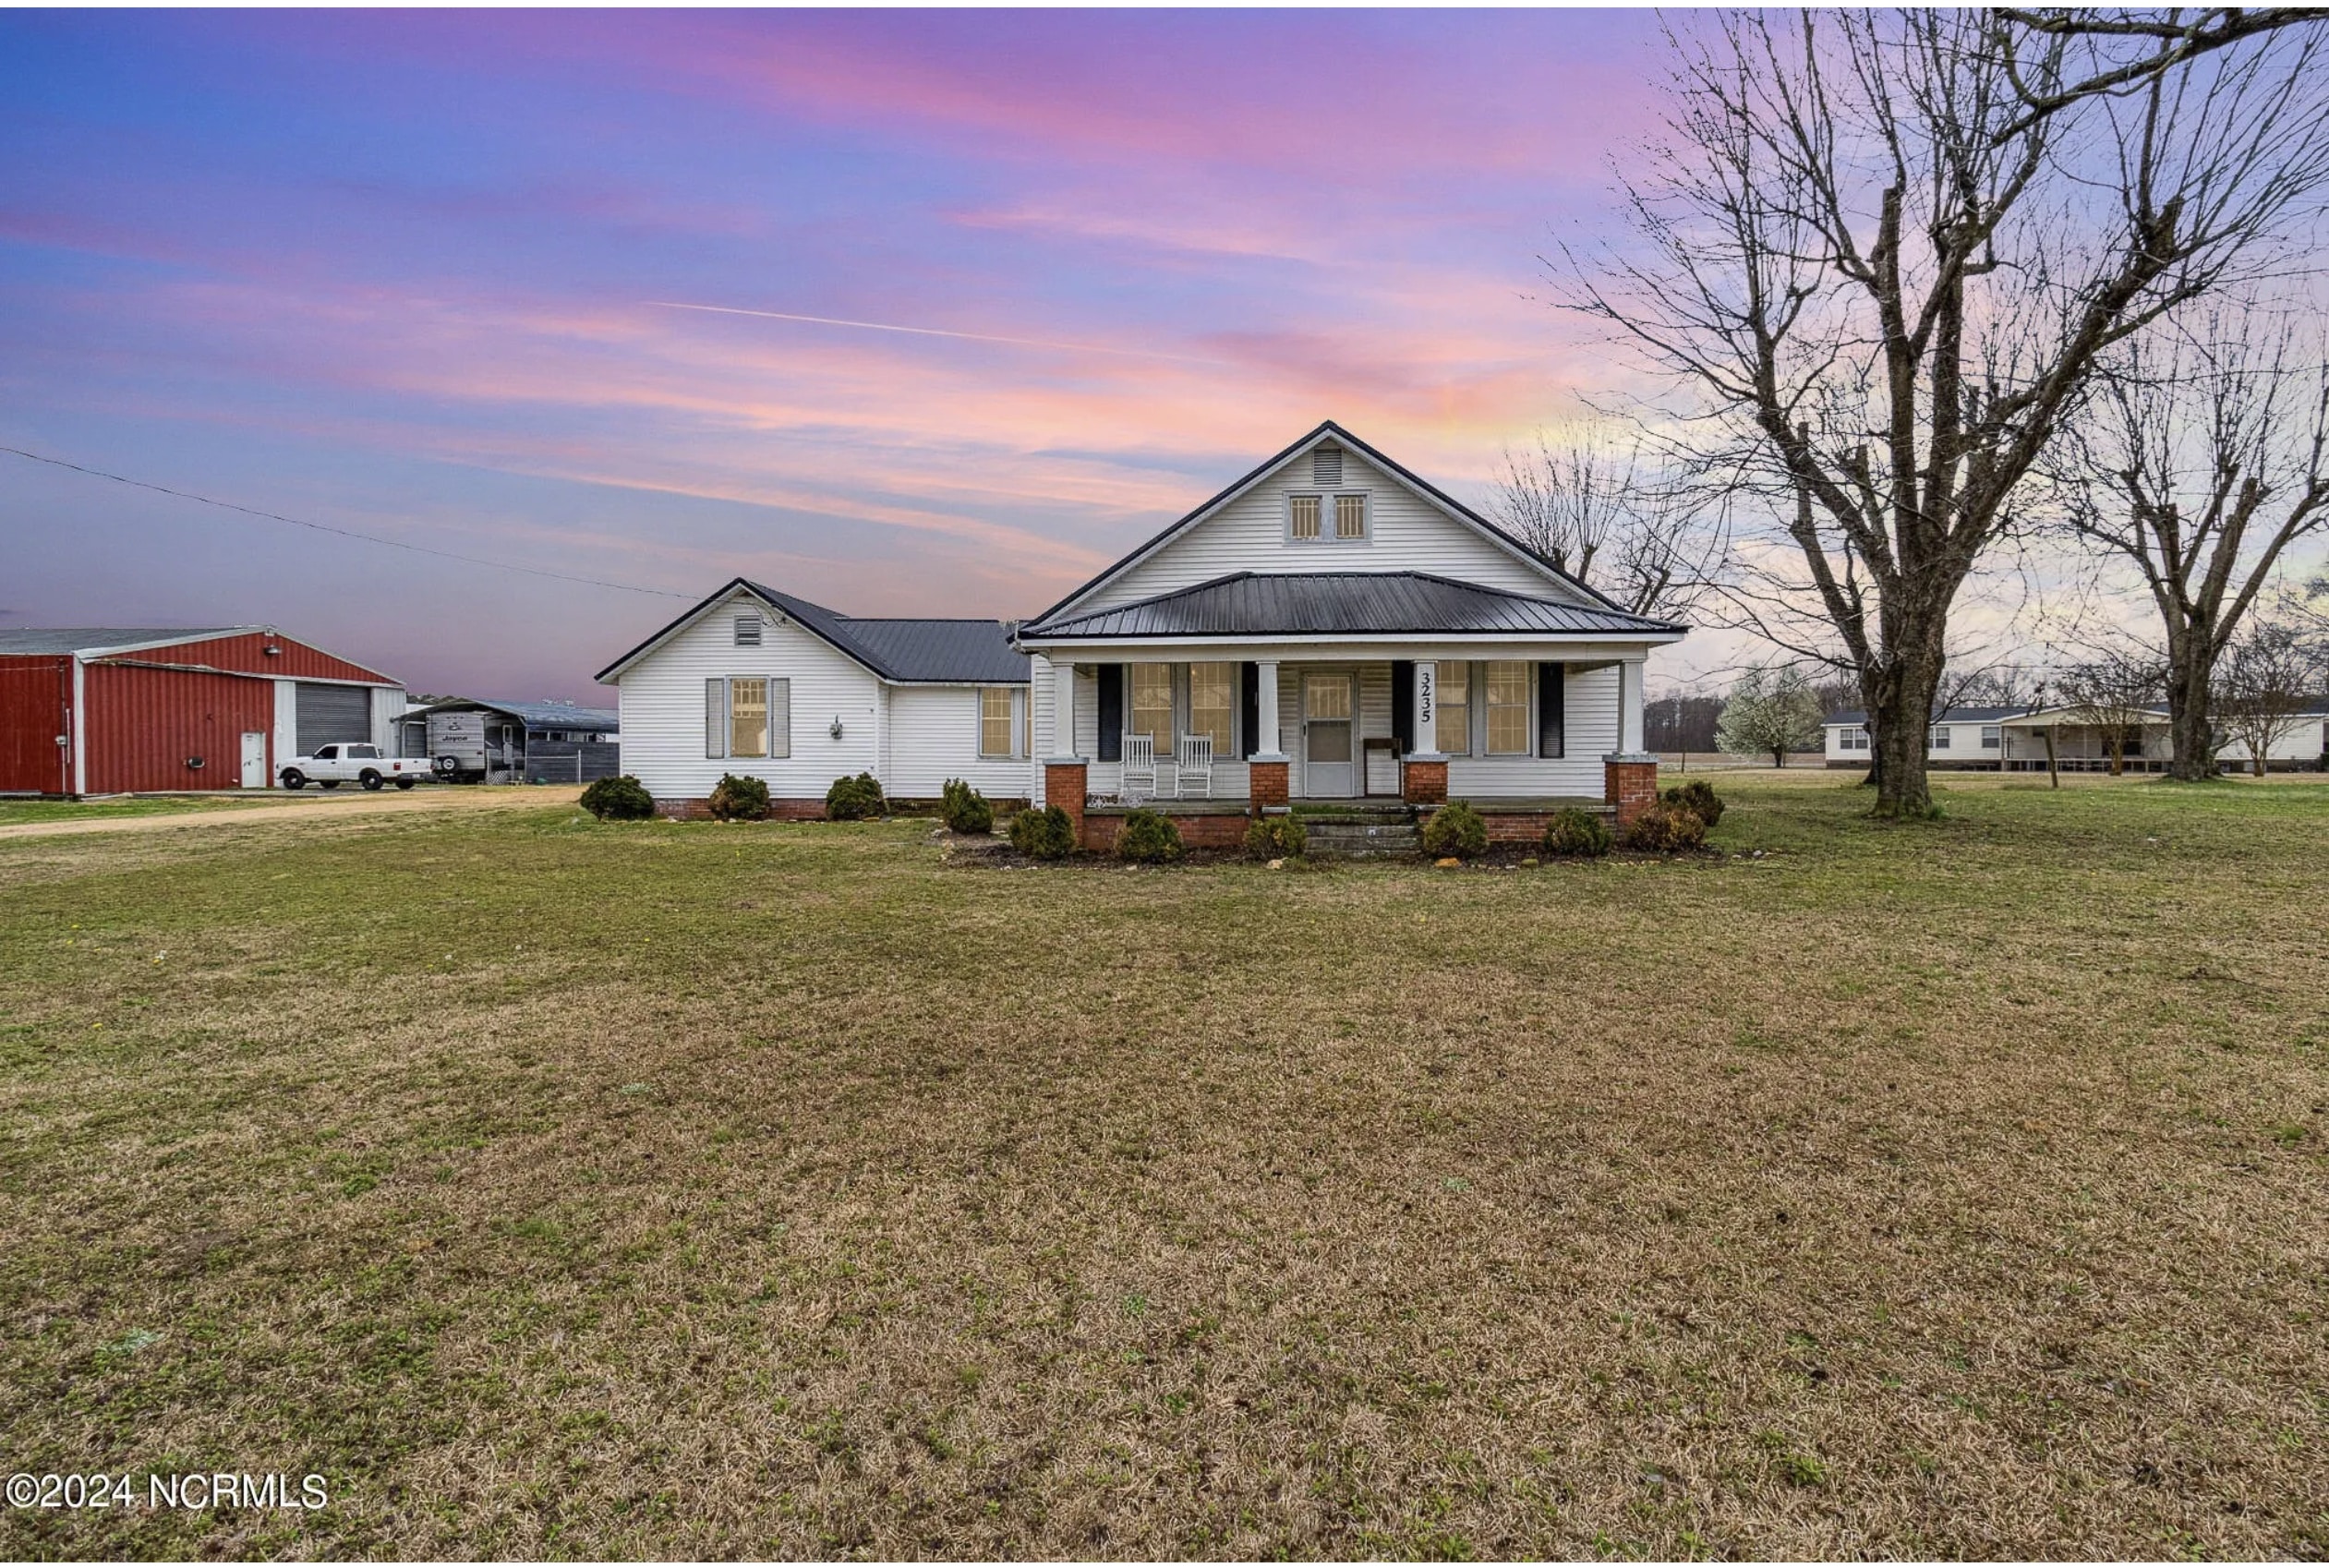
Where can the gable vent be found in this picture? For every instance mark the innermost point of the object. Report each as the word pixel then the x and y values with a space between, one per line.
pixel 748 631
pixel 1326 466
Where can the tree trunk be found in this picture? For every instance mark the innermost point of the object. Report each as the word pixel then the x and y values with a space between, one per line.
pixel 1900 704
pixel 1779 756
pixel 2189 673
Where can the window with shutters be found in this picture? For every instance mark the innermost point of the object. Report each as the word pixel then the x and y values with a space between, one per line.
pixel 1213 704
pixel 1507 682
pixel 997 733
pixel 1302 515
pixel 748 716
pixel 748 631
pixel 1451 726
pixel 1152 705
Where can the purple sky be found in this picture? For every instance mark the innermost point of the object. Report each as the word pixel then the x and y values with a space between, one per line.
pixel 420 276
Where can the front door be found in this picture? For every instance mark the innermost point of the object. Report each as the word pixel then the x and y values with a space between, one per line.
pixel 254 759
pixel 1328 744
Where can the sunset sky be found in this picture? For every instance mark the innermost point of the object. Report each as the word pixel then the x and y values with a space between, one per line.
pixel 443 278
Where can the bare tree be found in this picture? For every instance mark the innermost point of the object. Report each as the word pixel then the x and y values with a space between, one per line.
pixel 2116 692
pixel 1880 254
pixel 2203 457
pixel 2267 679
pixel 1589 506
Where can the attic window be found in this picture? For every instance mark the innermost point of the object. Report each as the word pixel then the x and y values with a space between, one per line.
pixel 1326 466
pixel 748 631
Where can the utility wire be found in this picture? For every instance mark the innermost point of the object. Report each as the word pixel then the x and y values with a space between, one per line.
pixel 344 533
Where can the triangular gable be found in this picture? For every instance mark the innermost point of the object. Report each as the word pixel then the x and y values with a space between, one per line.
pixel 816 621
pixel 1328 433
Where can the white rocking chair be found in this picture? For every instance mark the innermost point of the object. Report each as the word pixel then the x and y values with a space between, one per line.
pixel 1139 781
pixel 1197 767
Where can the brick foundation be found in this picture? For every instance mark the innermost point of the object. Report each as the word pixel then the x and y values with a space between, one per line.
pixel 1423 783
pixel 1523 827
pixel 699 809
pixel 1066 785
pixel 1629 782
pixel 1213 830
pixel 1270 785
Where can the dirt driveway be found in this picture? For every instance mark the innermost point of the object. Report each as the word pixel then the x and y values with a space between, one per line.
pixel 318 807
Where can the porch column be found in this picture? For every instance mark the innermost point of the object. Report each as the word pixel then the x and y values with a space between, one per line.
pixel 1423 771
pixel 1268 773
pixel 1063 713
pixel 1629 775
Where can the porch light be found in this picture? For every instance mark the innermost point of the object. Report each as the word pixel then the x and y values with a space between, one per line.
pixel 836 727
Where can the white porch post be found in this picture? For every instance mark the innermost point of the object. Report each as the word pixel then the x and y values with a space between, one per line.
pixel 1265 708
pixel 1063 712
pixel 1629 705
pixel 1427 713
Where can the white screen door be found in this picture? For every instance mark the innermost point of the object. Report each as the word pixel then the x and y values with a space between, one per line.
pixel 254 759
pixel 1328 743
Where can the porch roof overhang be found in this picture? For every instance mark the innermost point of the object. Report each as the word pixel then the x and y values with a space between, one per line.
pixel 1373 608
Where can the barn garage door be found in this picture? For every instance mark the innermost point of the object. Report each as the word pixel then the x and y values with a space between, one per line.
pixel 330 713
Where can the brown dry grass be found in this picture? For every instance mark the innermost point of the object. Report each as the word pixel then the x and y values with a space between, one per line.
pixel 568 1189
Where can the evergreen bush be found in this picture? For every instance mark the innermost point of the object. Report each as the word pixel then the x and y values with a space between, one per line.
pixel 1666 831
pixel 965 809
pixel 618 800
pixel 1278 838
pixel 1577 832
pixel 1149 838
pixel 740 799
pixel 1047 835
pixel 1455 830
pixel 853 800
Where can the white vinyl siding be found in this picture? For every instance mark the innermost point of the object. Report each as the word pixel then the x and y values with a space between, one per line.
pixel 667 726
pixel 932 733
pixel 1404 532
pixel 1590 704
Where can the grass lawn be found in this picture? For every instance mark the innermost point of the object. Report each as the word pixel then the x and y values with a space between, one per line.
pixel 559 1190
pixel 15 812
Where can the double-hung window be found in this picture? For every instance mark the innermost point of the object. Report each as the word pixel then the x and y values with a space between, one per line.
pixel 747 716
pixel 1451 725
pixel 999 727
pixel 1339 517
pixel 1939 738
pixel 1507 686
pixel 1213 705
pixel 1152 705
pixel 1856 738
pixel 1992 737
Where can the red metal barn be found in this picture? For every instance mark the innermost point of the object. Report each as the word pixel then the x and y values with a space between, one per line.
pixel 102 710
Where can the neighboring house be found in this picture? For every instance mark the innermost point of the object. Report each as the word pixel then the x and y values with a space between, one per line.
pixel 474 742
pixel 2014 741
pixel 98 710
pixel 1961 737
pixel 755 682
pixel 1331 628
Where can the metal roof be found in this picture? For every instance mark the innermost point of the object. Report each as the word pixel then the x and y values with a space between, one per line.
pixel 534 715
pixel 97 639
pixel 946 651
pixel 1248 604
pixel 1953 715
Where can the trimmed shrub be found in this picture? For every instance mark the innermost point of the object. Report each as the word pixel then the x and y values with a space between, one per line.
pixel 738 798
pixel 854 799
pixel 1148 836
pixel 1455 830
pixel 1698 799
pixel 619 800
pixel 1047 835
pixel 1278 838
pixel 965 809
pixel 1666 831
pixel 1576 832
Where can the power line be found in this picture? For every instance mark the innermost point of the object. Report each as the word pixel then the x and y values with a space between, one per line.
pixel 344 533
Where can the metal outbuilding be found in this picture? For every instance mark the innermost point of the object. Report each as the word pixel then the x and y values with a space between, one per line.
pixel 101 710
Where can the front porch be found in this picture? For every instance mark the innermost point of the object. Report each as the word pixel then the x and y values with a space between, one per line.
pixel 1212 741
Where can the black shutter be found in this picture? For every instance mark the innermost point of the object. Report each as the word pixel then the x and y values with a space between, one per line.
pixel 1111 712
pixel 1403 704
pixel 1250 711
pixel 1551 704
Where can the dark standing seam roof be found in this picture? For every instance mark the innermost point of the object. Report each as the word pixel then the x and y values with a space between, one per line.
pixel 81 639
pixel 961 652
pixel 1342 603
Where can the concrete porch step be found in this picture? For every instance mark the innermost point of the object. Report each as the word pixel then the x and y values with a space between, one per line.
pixel 1337 836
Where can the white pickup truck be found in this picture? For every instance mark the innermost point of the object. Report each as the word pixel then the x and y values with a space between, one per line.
pixel 355 761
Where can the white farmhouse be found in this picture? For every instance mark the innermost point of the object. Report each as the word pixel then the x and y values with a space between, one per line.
pixel 1329 629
